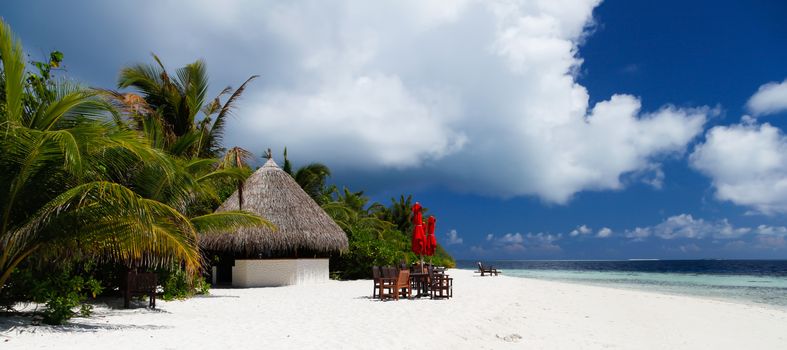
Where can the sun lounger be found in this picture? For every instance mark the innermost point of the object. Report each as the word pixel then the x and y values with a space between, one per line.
pixel 491 270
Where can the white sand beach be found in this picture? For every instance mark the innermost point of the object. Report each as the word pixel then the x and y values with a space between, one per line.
pixel 485 313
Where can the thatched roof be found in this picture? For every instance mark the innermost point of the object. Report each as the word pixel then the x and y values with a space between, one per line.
pixel 301 225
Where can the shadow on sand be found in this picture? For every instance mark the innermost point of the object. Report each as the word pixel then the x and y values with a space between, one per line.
pixel 10 325
pixel 210 296
pixel 30 322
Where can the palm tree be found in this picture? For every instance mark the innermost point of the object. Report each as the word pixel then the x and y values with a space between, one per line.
pixel 174 116
pixel 312 178
pixel 400 213
pixel 62 165
pixel 178 111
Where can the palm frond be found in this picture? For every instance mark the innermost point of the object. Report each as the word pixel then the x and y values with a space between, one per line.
pixel 217 129
pixel 229 221
pixel 14 73
pixel 185 144
pixel 152 228
pixel 201 165
pixel 192 82
pixel 74 103
pixel 312 179
pixel 236 157
pixel 237 174
pixel 145 77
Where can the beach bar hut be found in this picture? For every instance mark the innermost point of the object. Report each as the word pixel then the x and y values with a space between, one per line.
pixel 295 252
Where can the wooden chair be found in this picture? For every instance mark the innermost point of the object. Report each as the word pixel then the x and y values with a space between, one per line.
pixel 402 285
pixel 395 283
pixel 387 282
pixel 491 270
pixel 140 283
pixel 376 275
pixel 440 284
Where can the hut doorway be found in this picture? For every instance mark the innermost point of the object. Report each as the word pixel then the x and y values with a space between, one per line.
pixel 222 268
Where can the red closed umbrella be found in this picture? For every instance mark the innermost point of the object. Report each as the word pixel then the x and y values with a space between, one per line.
pixel 431 240
pixel 419 237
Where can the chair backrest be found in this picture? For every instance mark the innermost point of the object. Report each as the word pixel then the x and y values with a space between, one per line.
pixel 389 272
pixel 141 281
pixel 375 272
pixel 404 277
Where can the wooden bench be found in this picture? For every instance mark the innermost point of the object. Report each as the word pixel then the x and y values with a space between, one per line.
pixel 140 284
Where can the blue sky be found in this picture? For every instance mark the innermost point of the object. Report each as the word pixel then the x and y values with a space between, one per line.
pixel 532 130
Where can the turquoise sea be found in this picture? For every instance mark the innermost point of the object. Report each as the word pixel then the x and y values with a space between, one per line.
pixel 748 281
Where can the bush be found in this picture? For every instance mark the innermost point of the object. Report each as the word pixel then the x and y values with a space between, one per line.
pixel 62 293
pixel 61 288
pixel 178 285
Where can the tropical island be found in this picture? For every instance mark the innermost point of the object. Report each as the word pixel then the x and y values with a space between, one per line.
pixel 447 175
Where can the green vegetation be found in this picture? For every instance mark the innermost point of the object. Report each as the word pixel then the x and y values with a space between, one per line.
pixel 61 290
pixel 94 182
pixel 179 285
pixel 82 180
pixel 378 234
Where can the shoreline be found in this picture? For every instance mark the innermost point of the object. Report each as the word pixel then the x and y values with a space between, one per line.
pixel 486 312
pixel 642 288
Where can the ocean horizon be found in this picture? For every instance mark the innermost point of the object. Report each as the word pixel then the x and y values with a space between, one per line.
pixel 760 282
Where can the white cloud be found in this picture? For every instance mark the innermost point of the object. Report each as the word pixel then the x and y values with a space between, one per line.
pixel 363 121
pixel 581 230
pixel 452 237
pixel 770 242
pixel 771 230
pixel 747 164
pixel 367 87
pixel 686 226
pixel 759 242
pixel 518 242
pixel 769 99
pixel 585 230
pixel 477 249
pixel 639 233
